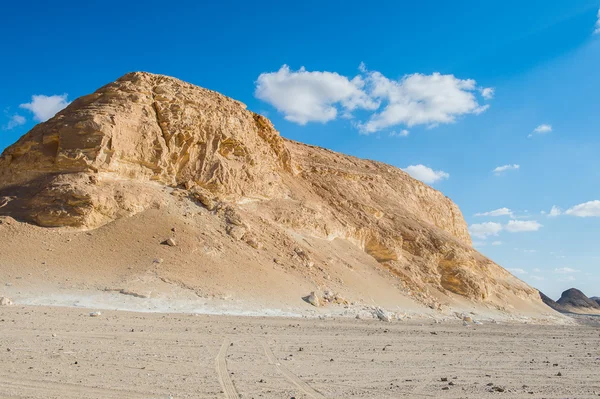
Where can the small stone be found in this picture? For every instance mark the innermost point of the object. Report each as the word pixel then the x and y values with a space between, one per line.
pixel 95 314
pixel 4 301
pixel 170 242
pixel 444 379
pixel 559 374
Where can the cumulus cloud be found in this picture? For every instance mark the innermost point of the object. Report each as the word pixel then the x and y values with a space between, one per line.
pixel 504 168
pixel 517 271
pixel 14 121
pixel 555 211
pixel 420 99
pixel 426 174
pixel 401 133
pixel 45 107
pixel 496 212
pixel 587 209
pixel 597 30
pixel 488 93
pixel 538 278
pixel 517 226
pixel 483 230
pixel 416 99
pixel 541 129
pixel 304 96
pixel 565 270
pixel 496 243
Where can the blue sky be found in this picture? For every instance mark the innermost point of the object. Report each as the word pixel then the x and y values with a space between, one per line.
pixel 449 92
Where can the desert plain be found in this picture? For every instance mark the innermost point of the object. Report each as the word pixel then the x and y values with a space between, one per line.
pixel 63 352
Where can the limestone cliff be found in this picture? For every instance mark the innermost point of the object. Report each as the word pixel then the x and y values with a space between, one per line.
pixel 109 155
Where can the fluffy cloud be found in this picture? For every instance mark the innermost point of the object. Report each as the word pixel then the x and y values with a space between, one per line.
pixel 488 93
pixel 496 243
pixel 496 212
pixel 416 99
pixel 541 129
pixel 504 168
pixel 517 271
pixel 597 30
pixel 15 120
pixel 425 174
pixel 304 96
pixel 517 226
pixel 419 99
pixel 45 107
pixel 587 209
pixel 401 133
pixel 483 230
pixel 565 270
pixel 538 278
pixel 555 211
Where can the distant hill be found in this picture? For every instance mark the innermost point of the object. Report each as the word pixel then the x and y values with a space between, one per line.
pixel 552 303
pixel 575 301
pixel 596 298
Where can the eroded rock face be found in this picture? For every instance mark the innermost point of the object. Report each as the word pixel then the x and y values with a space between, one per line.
pixel 142 127
pixel 122 149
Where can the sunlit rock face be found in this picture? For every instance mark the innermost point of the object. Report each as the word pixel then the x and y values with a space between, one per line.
pixel 119 150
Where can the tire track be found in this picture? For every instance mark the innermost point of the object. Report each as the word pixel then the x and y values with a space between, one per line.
pixel 221 364
pixel 291 377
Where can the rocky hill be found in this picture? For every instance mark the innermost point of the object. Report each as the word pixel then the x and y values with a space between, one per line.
pixel 249 213
pixel 575 301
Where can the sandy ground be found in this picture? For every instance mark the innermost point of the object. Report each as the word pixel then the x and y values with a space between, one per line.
pixel 53 352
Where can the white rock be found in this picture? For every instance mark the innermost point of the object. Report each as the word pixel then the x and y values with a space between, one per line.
pixel 4 301
pixel 95 314
pixel 383 315
pixel 313 299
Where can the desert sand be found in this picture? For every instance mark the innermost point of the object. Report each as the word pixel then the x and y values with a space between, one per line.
pixel 53 352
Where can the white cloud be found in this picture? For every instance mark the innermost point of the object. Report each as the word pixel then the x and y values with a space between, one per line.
pixel 304 96
pixel 567 278
pixel 541 129
pixel 597 30
pixel 496 212
pixel 15 120
pixel 45 107
pixel 517 271
pixel 488 93
pixel 483 230
pixel 401 133
pixel 555 211
pixel 496 243
pixel 504 168
pixel 425 174
pixel 419 99
pixel 587 209
pixel 517 226
pixel 538 278
pixel 537 270
pixel 565 270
